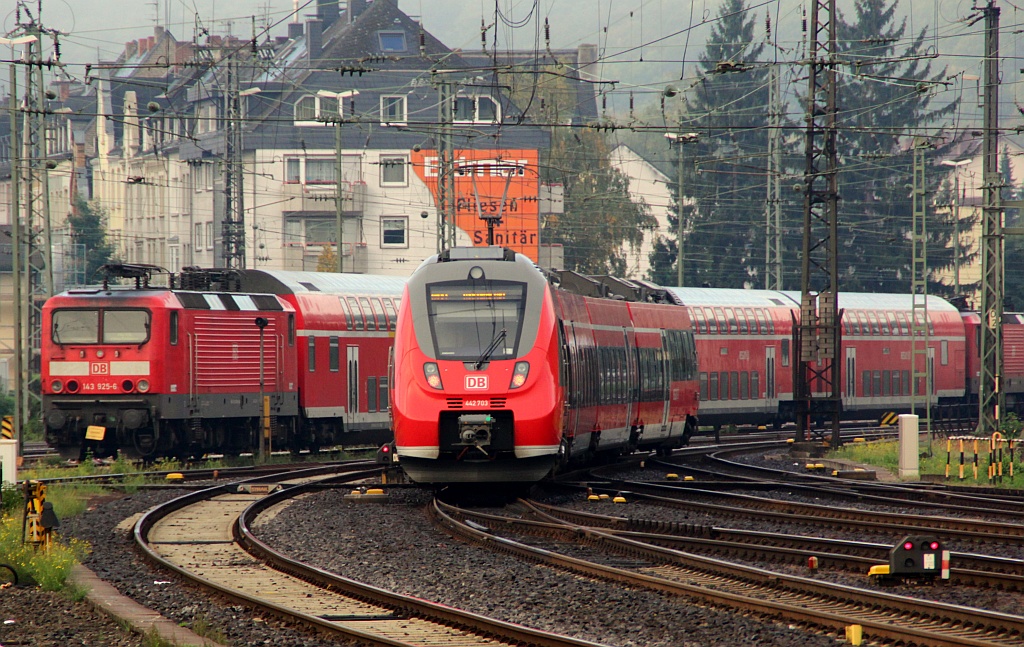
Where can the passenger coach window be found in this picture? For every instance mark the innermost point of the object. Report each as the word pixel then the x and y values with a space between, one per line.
pixel 385 402
pixel 392 315
pixel 371 394
pixel 371 324
pixel 311 360
pixel 347 311
pixel 76 327
pixel 785 352
pixel 378 313
pixel 333 356
pixel 356 313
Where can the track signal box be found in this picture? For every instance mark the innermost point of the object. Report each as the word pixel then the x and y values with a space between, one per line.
pixel 916 556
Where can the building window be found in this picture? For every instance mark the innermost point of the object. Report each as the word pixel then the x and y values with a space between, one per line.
pixel 209 235
pixel 392 111
pixel 480 109
pixel 392 171
pixel 198 242
pixel 392 231
pixel 307 169
pixel 312 109
pixel 391 41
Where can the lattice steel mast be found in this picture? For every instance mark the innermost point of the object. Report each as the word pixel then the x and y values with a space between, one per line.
pixel 817 375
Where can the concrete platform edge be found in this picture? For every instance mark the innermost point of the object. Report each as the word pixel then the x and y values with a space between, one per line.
pixel 104 597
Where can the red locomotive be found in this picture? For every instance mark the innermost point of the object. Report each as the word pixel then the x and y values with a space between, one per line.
pixel 502 373
pixel 175 371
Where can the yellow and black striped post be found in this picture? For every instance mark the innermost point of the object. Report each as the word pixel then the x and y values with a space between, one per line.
pixel 949 450
pixel 961 458
pixel 7 427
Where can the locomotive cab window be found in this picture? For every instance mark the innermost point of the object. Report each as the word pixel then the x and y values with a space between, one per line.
pixel 95 326
pixel 476 321
pixel 75 327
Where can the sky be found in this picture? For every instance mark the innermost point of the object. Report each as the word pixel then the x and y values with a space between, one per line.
pixel 644 42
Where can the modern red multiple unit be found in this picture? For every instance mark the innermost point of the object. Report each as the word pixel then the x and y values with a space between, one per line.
pixel 176 371
pixel 502 373
pixel 744 342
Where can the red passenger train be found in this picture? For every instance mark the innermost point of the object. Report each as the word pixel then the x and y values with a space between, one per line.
pixel 502 373
pixel 744 340
pixel 175 371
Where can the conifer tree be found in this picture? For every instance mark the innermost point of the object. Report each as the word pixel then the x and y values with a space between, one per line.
pixel 89 229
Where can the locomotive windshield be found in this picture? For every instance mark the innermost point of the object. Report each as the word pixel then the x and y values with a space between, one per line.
pixel 83 326
pixel 476 322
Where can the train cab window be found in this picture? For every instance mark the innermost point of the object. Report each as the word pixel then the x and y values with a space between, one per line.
pixel 357 314
pixel 311 353
pixel 785 352
pixel 713 386
pixel 75 327
pixel 371 393
pixel 480 320
pixel 762 322
pixel 291 329
pixel 333 355
pixel 348 313
pixel 385 395
pixel 125 326
pixel 744 385
pixel 378 314
pixel 174 328
pixel 392 314
pixel 712 321
pixel 371 323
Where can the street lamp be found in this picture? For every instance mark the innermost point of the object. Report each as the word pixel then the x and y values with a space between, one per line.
pixel 677 140
pixel 956 164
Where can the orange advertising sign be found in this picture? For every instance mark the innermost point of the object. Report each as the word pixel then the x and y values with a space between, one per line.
pixel 491 184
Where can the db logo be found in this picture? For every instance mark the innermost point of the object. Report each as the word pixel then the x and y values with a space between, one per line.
pixel 477 382
pixel 99 368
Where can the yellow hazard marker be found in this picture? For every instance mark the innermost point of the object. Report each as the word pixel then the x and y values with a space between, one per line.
pixel 854 634
pixel 593 497
pixel 672 477
pixel 7 427
pixel 860 440
pixel 619 499
pixel 878 570
pixel 687 478
pixel 175 476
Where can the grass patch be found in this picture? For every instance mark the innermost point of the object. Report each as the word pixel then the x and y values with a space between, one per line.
pixel 50 568
pixel 201 626
pixel 152 638
pixel 933 457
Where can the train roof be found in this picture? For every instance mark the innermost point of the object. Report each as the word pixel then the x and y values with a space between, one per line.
pixel 289 282
pixel 791 299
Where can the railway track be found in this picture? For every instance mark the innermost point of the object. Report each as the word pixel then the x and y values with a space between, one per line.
pixel 205 537
pixel 886 617
pixel 970 569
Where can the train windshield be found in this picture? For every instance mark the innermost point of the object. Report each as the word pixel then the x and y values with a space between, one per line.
pixel 473 321
pixel 84 326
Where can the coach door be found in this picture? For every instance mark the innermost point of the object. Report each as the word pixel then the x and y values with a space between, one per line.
pixel 572 387
pixel 630 379
pixel 771 394
pixel 850 391
pixel 353 382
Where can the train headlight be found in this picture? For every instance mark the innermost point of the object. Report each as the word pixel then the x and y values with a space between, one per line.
pixel 519 375
pixel 143 386
pixel 56 386
pixel 433 375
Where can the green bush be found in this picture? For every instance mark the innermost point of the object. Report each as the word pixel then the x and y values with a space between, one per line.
pixel 49 568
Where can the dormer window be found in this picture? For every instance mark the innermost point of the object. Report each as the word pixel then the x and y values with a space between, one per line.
pixel 478 109
pixel 391 41
pixel 393 111
pixel 311 109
